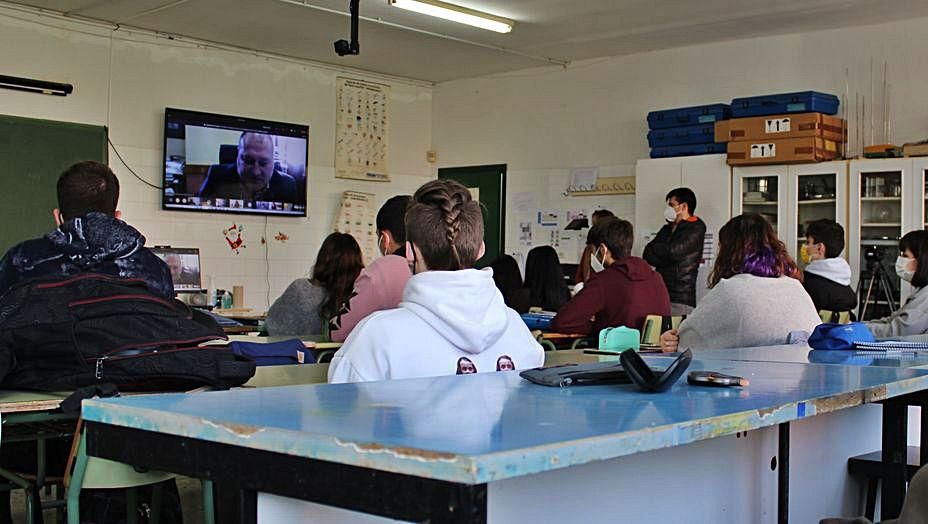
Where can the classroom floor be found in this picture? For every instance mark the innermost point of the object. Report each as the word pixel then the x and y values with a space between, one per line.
pixel 190 499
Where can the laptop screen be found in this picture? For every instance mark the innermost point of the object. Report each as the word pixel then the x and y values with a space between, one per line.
pixel 185 267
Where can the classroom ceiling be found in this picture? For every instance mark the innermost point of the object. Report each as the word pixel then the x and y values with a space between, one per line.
pixel 562 30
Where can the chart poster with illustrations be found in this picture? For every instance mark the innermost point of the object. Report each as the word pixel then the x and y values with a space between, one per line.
pixel 361 123
pixel 357 216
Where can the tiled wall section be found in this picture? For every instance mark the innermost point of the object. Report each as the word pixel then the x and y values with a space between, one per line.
pixel 124 81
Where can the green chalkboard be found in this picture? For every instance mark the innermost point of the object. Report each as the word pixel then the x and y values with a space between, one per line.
pixel 32 155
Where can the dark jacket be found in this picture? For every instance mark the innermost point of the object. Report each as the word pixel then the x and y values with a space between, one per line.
pixel 623 294
pixel 96 243
pixel 222 181
pixel 676 254
pixel 829 295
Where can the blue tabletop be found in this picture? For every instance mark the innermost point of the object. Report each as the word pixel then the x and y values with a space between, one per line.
pixel 802 354
pixel 491 426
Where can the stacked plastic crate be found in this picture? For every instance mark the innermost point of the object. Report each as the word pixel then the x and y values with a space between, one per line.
pixel 783 128
pixel 686 131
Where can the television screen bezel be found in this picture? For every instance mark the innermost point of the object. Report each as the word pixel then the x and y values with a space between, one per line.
pixel 232 118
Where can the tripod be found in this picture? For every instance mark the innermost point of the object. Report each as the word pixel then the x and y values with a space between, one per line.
pixel 875 276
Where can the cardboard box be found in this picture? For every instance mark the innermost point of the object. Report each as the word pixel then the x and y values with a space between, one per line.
pixel 782 126
pixel 783 151
pixel 722 129
pixel 915 149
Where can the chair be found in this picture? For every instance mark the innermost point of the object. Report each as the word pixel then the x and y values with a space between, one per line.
pixel 96 473
pixel 870 467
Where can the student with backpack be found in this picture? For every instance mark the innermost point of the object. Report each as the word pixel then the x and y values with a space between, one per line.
pixel 452 318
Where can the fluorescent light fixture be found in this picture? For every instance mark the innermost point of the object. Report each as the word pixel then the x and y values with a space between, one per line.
pixel 35 86
pixel 456 13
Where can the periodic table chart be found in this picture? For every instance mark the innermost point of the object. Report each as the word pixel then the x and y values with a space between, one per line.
pixel 361 125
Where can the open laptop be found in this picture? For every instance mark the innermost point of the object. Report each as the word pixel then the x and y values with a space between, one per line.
pixel 184 263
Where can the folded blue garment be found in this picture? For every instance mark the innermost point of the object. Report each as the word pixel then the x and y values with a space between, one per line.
pixel 840 336
pixel 275 353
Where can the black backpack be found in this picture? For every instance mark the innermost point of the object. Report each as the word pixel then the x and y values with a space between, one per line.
pixel 63 334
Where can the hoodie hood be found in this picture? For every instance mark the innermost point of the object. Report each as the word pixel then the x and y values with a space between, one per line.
pixel 465 307
pixel 834 269
pixel 94 238
pixel 632 267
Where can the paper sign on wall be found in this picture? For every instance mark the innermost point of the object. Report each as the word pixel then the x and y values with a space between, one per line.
pixel 361 125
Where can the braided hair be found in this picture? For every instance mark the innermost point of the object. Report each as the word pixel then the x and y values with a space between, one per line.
pixel 446 224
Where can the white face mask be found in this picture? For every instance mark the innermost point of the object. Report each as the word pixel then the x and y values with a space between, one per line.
pixel 669 214
pixel 595 263
pixel 902 269
pixel 380 246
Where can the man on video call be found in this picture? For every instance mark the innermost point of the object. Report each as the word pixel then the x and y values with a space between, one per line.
pixel 252 177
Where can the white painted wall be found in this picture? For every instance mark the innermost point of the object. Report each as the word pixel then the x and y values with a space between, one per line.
pixel 593 113
pixel 126 81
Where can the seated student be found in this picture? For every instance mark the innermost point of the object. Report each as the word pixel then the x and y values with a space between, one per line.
pixel 508 280
pixel 623 289
pixel 755 293
pixel 583 268
pixel 827 277
pixel 911 266
pixel 380 285
pixel 452 317
pixel 90 237
pixel 309 302
pixel 544 278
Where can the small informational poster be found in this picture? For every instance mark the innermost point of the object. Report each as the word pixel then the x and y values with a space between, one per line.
pixel 525 234
pixel 357 216
pixel 548 218
pixel 361 125
pixel 708 250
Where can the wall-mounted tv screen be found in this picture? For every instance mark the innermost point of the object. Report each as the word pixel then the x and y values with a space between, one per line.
pixel 230 164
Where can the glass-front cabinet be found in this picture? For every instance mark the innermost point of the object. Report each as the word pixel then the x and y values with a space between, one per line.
pixel 761 190
pixel 816 191
pixel 880 213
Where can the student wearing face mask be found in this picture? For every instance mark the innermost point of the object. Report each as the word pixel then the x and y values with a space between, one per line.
pixel 380 284
pixel 676 251
pixel 911 266
pixel 827 276
pixel 623 289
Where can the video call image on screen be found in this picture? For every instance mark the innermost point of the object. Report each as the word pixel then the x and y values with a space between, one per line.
pixel 232 164
pixel 184 265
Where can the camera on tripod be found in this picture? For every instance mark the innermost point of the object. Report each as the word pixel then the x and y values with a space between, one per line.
pixel 874 255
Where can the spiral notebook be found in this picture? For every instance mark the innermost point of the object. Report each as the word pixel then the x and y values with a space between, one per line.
pixel 890 346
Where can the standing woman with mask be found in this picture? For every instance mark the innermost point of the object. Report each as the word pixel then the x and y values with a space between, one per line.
pixel 911 266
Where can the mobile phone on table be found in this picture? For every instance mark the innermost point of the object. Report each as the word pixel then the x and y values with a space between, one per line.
pixel 715 379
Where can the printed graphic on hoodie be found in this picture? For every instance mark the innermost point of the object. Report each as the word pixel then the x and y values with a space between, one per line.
pixel 504 363
pixel 466 367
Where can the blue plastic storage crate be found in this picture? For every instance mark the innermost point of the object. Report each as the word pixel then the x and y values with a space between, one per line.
pixel 802 102
pixel 679 136
pixel 688 116
pixel 688 150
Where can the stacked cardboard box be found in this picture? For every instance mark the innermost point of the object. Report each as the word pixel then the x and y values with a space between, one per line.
pixel 787 138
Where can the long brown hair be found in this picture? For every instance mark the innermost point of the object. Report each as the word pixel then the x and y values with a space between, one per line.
pixel 446 224
pixel 338 265
pixel 748 244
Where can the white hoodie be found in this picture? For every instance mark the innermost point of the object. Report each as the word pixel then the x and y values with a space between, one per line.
pixel 834 269
pixel 448 322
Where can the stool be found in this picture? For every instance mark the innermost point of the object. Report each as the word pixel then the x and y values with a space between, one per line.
pixel 870 466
